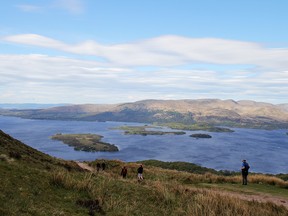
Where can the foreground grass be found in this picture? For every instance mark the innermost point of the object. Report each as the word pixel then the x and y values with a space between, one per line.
pixel 33 191
pixel 27 191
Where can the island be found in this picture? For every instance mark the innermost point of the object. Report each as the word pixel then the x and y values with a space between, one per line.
pixel 201 136
pixel 196 127
pixel 85 142
pixel 142 130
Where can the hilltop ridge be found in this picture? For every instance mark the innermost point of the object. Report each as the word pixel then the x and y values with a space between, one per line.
pixel 230 113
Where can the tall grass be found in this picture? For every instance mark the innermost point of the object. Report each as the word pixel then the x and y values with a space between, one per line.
pixel 164 192
pixel 271 180
pixel 190 178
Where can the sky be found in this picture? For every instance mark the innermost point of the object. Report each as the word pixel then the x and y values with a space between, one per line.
pixel 117 51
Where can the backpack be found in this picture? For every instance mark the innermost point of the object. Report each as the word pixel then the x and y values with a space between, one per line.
pixel 247 166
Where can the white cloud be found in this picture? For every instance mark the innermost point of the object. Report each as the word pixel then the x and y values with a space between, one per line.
pixel 58 79
pixel 47 79
pixel 168 51
pixel 36 40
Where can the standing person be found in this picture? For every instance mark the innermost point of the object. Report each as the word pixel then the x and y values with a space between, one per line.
pixel 124 172
pixel 98 166
pixel 103 166
pixel 140 172
pixel 245 167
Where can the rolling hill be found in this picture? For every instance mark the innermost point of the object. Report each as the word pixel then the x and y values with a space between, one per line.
pixel 203 111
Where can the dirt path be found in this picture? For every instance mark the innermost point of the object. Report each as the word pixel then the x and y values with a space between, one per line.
pixel 85 166
pixel 258 197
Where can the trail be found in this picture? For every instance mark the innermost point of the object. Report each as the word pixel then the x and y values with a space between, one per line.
pixel 85 166
pixel 260 197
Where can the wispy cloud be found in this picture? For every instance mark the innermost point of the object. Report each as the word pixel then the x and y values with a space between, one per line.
pixel 43 78
pixel 29 8
pixel 168 51
pixel 72 6
pixel 121 77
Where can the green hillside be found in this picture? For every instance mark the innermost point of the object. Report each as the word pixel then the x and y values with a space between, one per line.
pixel 33 183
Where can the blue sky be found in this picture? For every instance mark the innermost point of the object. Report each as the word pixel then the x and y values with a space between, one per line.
pixel 91 51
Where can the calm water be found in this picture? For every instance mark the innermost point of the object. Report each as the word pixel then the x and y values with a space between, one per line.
pixel 266 151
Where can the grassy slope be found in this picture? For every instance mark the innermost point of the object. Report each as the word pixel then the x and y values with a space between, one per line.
pixel 33 183
pixel 25 182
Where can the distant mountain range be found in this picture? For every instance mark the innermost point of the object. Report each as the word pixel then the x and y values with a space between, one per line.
pixel 28 106
pixel 230 113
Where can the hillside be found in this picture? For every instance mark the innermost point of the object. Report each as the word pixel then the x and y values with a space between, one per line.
pixel 33 183
pixel 231 113
pixel 284 106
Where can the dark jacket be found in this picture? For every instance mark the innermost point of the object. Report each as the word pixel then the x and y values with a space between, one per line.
pixel 140 170
pixel 124 172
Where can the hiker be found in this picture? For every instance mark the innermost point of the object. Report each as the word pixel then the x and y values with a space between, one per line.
pixel 245 167
pixel 140 172
pixel 124 172
pixel 98 167
pixel 103 166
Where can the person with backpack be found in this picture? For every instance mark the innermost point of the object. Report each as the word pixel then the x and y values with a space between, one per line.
pixel 245 167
